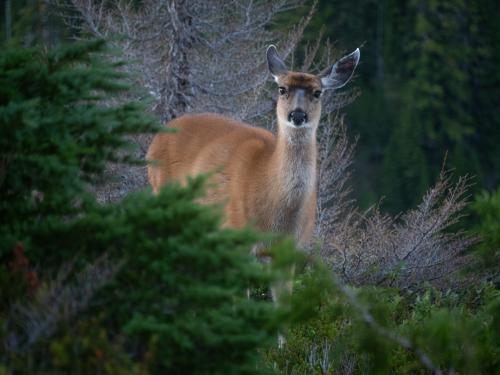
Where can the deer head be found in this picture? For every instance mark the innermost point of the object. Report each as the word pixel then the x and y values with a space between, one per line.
pixel 299 102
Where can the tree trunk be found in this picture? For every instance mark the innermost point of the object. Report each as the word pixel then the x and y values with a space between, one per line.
pixel 177 61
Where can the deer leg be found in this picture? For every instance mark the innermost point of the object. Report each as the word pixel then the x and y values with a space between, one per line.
pixel 279 290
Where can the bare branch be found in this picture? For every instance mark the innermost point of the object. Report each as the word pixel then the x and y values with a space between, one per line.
pixel 384 332
pixel 56 303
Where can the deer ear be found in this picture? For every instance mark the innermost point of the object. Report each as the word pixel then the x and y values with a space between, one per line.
pixel 275 64
pixel 341 72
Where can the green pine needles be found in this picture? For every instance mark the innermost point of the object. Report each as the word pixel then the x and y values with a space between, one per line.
pixel 56 135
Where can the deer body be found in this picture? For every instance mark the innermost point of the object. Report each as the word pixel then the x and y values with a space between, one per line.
pixel 262 178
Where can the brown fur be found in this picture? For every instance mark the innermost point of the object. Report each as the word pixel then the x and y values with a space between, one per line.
pixel 264 178
pixel 304 80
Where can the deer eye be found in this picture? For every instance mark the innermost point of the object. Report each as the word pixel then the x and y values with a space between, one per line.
pixel 282 90
pixel 317 94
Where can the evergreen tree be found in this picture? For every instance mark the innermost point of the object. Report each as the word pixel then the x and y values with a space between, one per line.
pixel 55 137
pixel 435 118
pixel 408 173
pixel 484 83
pixel 149 285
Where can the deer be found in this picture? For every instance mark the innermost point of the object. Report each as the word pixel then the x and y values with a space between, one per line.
pixel 263 178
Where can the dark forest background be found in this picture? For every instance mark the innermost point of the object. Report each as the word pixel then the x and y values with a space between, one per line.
pixel 430 92
pixel 429 79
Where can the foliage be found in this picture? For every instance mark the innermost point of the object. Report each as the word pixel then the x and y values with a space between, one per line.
pixel 177 302
pixel 434 317
pixel 150 285
pixel 487 207
pixel 381 330
pixel 55 138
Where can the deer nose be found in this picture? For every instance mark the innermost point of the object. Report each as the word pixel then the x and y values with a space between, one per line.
pixel 297 117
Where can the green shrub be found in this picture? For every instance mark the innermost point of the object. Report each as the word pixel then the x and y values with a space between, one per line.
pixel 380 330
pixel 148 285
pixel 486 207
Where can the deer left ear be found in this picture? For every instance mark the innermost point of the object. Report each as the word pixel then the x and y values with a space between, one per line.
pixel 341 72
pixel 274 62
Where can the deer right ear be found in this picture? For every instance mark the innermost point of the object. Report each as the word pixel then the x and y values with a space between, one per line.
pixel 341 72
pixel 275 64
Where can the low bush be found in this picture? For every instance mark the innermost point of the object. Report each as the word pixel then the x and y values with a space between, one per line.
pixel 381 330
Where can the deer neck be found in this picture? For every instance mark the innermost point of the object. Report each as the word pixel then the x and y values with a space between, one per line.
pixel 294 159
